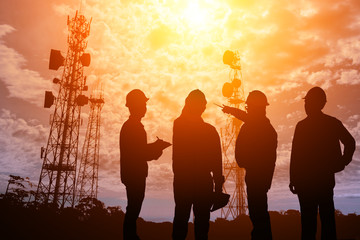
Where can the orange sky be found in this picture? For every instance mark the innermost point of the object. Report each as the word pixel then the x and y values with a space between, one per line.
pixel 167 49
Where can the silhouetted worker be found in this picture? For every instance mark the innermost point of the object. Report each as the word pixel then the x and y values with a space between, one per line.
pixel 256 152
pixel 135 152
pixel 197 166
pixel 315 157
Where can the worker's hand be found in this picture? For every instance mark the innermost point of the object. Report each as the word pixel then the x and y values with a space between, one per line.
pixel 346 159
pixel 218 188
pixel 292 188
pixel 161 144
pixel 227 109
pixel 339 165
pixel 219 182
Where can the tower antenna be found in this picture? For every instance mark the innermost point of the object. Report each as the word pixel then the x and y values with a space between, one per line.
pixel 234 184
pixel 80 6
pixel 87 180
pixel 58 173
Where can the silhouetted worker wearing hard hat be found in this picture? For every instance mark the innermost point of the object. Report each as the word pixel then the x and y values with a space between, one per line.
pixel 135 152
pixel 196 155
pixel 315 158
pixel 256 152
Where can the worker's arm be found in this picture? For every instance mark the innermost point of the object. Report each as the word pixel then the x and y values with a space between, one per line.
pixel 133 140
pixel 217 166
pixel 156 148
pixel 236 112
pixel 294 161
pixel 349 144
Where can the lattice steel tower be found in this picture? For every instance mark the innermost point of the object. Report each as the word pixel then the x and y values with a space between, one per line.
pixel 58 173
pixel 87 180
pixel 234 176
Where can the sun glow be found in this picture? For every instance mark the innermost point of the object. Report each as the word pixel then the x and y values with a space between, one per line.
pixel 195 14
pixel 192 16
pixel 195 23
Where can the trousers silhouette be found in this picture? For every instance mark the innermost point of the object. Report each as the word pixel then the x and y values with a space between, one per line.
pixel 258 207
pixel 310 202
pixel 135 194
pixel 185 198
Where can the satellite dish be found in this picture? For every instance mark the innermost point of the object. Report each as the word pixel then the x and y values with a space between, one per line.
pixel 82 100
pixel 227 90
pixel 236 83
pixel 56 60
pixel 228 57
pixel 85 59
pixel 49 99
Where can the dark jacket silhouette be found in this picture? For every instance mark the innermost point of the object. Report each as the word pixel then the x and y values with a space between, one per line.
pixel 135 152
pixel 197 165
pixel 315 157
pixel 316 153
pixel 255 151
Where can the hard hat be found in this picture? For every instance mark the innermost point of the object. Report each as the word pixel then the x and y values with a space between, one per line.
pixel 196 97
pixel 134 97
pixel 316 94
pixel 257 98
pixel 219 200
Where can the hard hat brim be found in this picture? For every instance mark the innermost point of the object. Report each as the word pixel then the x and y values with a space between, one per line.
pixel 267 104
pixel 219 200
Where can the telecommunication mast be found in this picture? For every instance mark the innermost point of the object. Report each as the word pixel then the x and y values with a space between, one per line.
pixel 234 184
pixel 58 173
pixel 87 180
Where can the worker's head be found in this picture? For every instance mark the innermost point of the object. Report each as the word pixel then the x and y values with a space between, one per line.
pixel 256 102
pixel 136 102
pixel 315 100
pixel 195 103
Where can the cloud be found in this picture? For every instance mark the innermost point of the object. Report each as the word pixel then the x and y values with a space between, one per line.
pixel 321 76
pixel 353 118
pixel 20 143
pixel 21 82
pixel 350 77
pixel 5 29
pixel 355 130
pixel 160 37
pixel 356 195
pixel 160 177
pixel 294 115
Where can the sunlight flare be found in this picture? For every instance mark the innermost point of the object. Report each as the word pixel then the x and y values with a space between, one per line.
pixel 195 14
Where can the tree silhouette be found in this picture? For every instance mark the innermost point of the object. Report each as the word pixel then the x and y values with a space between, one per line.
pixel 90 207
pixel 16 191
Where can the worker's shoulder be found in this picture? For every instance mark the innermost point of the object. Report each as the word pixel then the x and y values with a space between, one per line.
pixel 332 123
pixel 331 119
pixel 210 128
pixel 130 125
pixel 324 119
pixel 177 120
pixel 263 124
pixel 272 129
pixel 178 123
pixel 303 121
